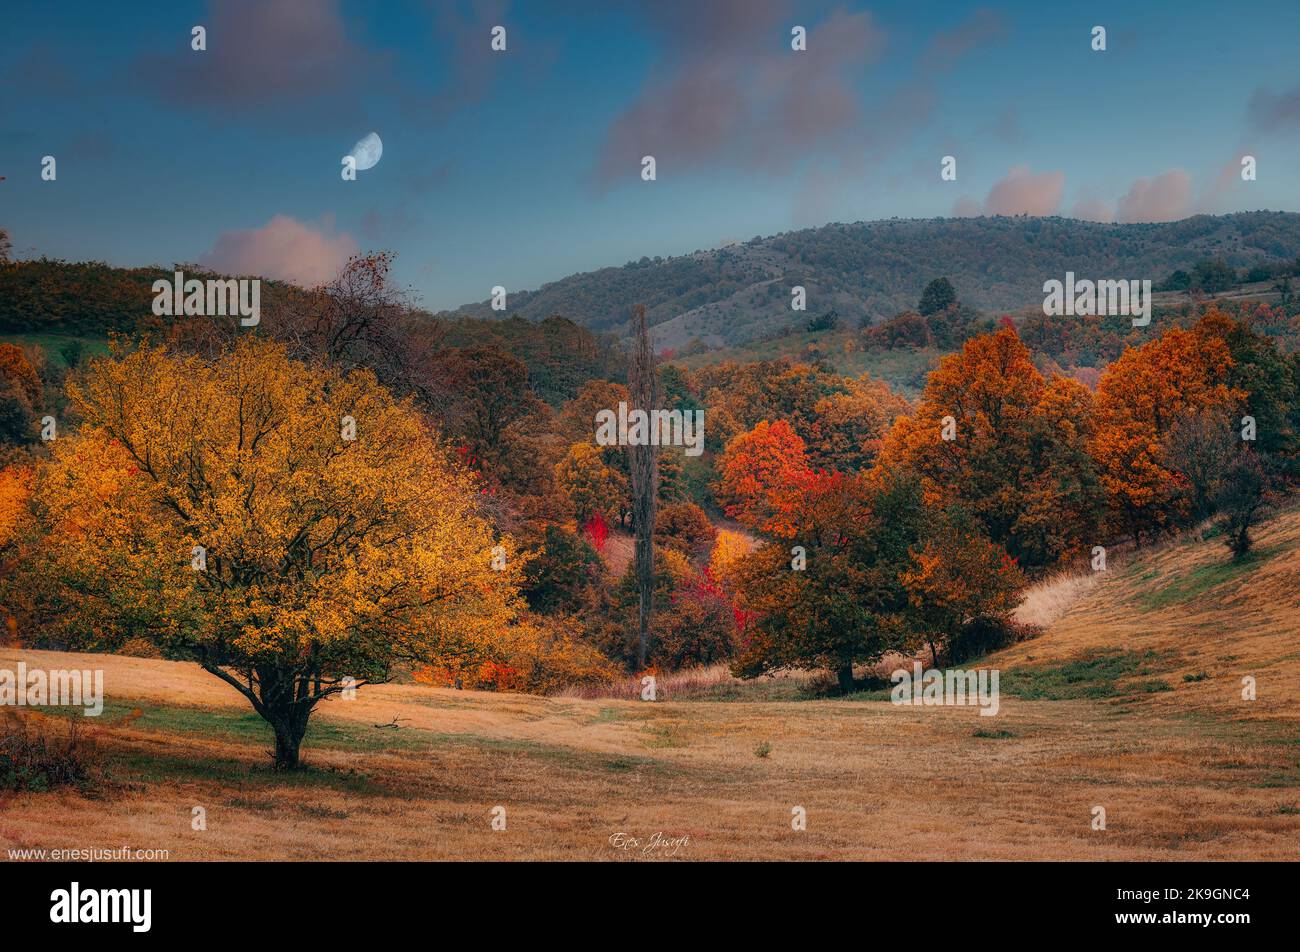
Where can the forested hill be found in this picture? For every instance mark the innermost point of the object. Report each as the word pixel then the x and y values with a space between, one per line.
pixel 876 269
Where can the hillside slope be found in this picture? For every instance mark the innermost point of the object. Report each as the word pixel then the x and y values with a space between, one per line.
pixel 1175 629
pixel 873 270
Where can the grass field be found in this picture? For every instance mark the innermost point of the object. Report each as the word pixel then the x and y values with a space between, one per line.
pixel 53 344
pixel 1131 701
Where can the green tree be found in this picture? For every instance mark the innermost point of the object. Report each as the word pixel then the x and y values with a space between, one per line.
pixel 845 605
pixel 937 296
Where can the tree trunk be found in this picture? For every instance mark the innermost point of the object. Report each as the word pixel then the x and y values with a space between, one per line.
pixel 846 677
pixel 644 471
pixel 290 726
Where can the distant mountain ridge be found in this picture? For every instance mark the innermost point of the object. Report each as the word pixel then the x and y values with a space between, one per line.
pixel 876 269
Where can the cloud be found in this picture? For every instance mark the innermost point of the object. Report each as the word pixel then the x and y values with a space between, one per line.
pixel 283 248
pixel 1167 197
pixel 261 53
pixel 1089 208
pixel 732 90
pixel 1022 192
pixel 473 62
pixel 1273 112
pixel 983 26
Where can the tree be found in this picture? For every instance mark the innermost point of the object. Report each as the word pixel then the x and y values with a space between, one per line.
pixel 971 438
pixel 1213 277
pixel 488 406
pixel 215 507
pixel 938 295
pixel 18 370
pixel 845 605
pixel 589 484
pixel 1141 398
pixel 643 393
pixel 1242 496
pixel 1063 500
pixel 756 465
pixel 577 418
pixel 825 322
pixel 17 421
pixel 563 575
pixel 684 526
pixel 849 426
pixel 958 574
pixel 1201 448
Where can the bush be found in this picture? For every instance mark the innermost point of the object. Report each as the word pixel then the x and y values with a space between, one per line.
pixel 908 329
pixel 979 636
pixel 31 760
pixel 536 657
pixel 684 526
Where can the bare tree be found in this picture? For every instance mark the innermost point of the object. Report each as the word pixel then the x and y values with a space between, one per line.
pixel 1242 498
pixel 1202 447
pixel 643 394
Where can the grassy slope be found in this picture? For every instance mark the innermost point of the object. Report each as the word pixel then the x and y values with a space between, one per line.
pixel 50 343
pixel 1184 771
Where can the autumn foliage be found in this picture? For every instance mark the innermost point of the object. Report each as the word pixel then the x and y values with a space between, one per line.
pixel 213 506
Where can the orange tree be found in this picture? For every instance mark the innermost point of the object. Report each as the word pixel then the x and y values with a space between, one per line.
pixel 989 389
pixel 215 507
pixel 1141 400
pixel 846 604
pixel 957 575
pixel 1003 455
pixel 755 466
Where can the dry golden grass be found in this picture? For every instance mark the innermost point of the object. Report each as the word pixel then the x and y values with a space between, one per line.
pixel 1188 773
pixel 1045 602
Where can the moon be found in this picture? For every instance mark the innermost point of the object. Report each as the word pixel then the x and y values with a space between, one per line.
pixel 367 151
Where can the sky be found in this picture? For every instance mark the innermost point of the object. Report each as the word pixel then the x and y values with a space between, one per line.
pixel 522 166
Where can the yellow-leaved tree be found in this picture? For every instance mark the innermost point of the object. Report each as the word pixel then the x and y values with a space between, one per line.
pixel 295 530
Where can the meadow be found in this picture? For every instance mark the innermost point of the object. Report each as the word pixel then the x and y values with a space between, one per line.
pixel 1131 700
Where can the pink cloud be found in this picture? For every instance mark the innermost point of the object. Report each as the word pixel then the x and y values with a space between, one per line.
pixel 283 248
pixel 1024 193
pixel 1166 197
pixel 1090 208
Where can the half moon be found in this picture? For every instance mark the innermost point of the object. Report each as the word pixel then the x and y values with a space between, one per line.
pixel 368 151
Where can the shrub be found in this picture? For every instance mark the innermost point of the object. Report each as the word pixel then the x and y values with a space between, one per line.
pixel 537 657
pixel 32 760
pixel 979 636
pixel 684 526
pixel 908 329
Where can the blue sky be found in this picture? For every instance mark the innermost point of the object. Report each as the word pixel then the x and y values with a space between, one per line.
pixel 520 167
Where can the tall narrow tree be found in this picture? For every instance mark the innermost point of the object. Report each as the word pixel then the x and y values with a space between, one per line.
pixel 643 463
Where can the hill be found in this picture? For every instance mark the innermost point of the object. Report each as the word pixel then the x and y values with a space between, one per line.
pixel 1131 700
pixel 874 270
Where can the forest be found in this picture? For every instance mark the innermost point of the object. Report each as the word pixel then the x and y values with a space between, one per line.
pixel 356 490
